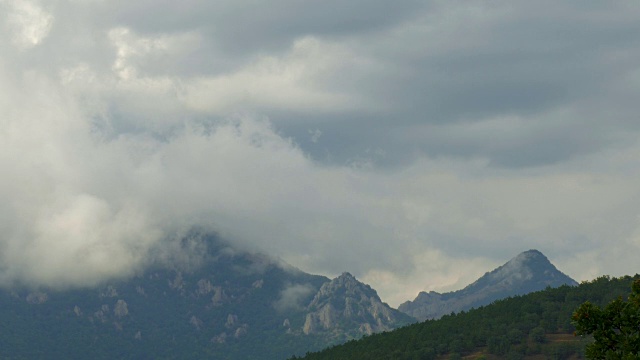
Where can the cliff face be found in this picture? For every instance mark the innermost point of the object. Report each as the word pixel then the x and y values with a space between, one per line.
pixel 529 271
pixel 345 307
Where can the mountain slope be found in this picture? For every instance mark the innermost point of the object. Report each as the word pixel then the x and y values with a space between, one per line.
pixel 219 306
pixel 527 272
pixel 219 303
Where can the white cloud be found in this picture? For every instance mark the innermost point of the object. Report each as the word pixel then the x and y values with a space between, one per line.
pixel 433 271
pixel 293 296
pixel 28 22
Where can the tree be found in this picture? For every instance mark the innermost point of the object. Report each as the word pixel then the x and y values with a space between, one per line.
pixel 538 335
pixel 615 328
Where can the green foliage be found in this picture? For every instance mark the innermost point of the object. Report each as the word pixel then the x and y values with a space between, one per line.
pixel 538 335
pixel 511 328
pixel 615 328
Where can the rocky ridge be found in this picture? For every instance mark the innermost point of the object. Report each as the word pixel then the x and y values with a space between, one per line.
pixel 348 308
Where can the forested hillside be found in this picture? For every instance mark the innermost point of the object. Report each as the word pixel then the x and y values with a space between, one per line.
pixel 514 328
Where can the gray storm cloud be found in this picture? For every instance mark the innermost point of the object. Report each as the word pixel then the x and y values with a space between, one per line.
pixel 414 152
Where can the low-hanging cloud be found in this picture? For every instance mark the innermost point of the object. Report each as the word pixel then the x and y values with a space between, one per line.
pixel 85 204
pixel 294 297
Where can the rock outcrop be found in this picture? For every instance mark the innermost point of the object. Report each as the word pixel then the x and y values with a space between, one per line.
pixel 344 306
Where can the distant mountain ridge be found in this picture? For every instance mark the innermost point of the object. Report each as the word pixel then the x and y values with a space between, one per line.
pixel 527 272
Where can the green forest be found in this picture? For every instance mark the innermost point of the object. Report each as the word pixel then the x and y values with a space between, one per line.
pixel 536 325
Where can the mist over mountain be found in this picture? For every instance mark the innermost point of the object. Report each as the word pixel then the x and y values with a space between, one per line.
pixel 527 272
pixel 214 301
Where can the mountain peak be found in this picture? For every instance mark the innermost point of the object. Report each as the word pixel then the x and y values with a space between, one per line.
pixel 345 300
pixel 530 265
pixel 528 258
pixel 346 276
pixel 344 285
pixel 526 272
pixel 532 255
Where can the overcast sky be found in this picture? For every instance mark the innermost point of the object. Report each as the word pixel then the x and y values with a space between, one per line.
pixel 415 144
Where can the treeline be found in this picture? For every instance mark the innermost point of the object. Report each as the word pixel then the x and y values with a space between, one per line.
pixel 511 328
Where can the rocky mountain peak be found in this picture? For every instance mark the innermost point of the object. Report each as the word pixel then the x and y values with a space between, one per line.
pixel 344 286
pixel 526 272
pixel 531 259
pixel 523 272
pixel 346 303
pixel 345 280
pixel 532 252
pixel 346 276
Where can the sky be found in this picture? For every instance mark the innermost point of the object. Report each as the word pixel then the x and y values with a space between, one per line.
pixel 415 144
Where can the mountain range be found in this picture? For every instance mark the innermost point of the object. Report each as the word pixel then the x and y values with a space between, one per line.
pixel 534 326
pixel 225 304
pixel 230 304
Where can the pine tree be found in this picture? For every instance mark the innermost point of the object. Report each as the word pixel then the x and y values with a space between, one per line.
pixel 615 328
